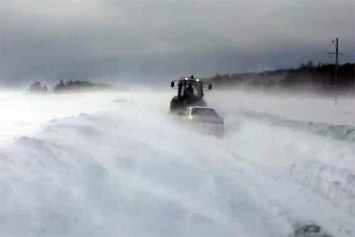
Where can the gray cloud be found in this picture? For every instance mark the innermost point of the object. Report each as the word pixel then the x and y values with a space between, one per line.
pixel 135 39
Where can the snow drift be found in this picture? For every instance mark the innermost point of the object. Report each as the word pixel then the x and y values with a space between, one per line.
pixel 131 170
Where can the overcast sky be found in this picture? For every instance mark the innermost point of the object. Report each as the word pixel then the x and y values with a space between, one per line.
pixel 118 40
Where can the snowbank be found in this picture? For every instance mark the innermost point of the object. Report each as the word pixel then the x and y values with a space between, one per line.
pixel 134 171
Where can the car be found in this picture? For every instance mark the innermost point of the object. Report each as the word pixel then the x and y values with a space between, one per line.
pixel 204 119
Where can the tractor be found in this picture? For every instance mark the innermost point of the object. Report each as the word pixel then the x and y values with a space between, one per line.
pixel 190 93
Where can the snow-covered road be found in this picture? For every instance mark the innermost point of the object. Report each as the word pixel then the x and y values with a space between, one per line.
pixel 123 166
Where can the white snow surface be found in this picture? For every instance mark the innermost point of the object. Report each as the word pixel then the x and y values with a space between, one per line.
pixel 118 164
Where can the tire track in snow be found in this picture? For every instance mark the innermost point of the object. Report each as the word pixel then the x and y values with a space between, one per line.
pixel 298 205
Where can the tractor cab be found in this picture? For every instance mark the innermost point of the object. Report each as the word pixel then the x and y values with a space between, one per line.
pixel 190 92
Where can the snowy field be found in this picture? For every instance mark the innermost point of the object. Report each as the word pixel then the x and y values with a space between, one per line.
pixel 118 164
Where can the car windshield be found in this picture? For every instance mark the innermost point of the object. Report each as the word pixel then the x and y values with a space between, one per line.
pixel 203 112
pixel 192 118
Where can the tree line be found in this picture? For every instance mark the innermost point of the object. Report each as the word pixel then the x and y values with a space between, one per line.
pixel 69 85
pixel 321 75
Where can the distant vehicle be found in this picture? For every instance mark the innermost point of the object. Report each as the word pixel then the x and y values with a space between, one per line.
pixel 190 92
pixel 204 119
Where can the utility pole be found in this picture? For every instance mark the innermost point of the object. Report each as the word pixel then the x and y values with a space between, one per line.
pixel 336 42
